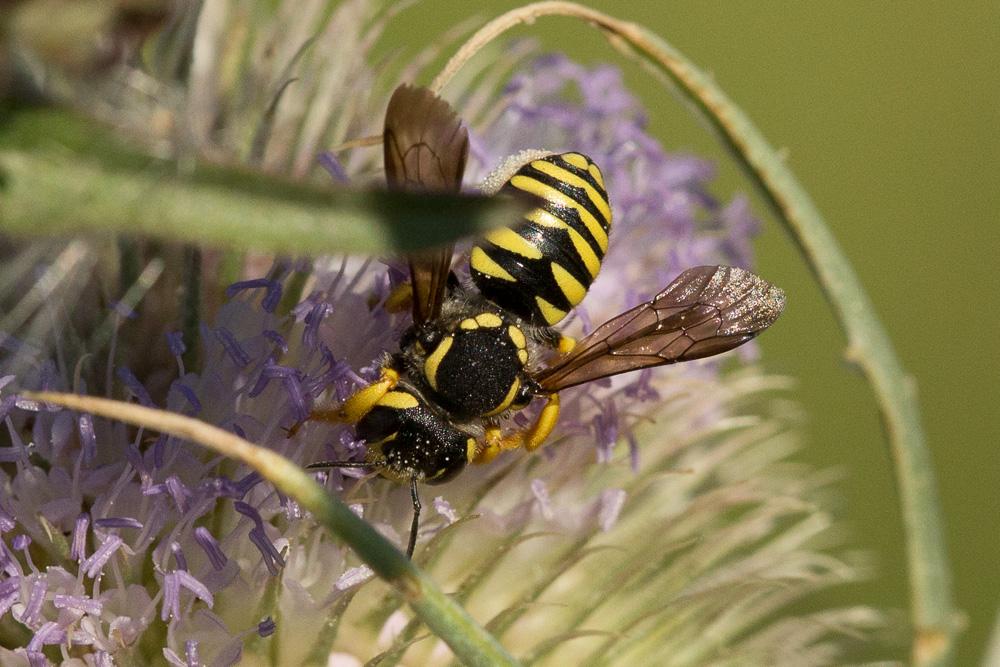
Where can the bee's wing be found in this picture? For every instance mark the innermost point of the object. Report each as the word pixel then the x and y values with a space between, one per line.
pixel 707 310
pixel 426 147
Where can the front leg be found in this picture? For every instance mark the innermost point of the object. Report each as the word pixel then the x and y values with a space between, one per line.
pixel 363 400
pixel 357 404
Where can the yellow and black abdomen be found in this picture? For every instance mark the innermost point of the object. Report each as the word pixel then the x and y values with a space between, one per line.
pixel 542 267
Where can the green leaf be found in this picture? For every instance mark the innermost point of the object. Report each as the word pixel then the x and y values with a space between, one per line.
pixel 61 174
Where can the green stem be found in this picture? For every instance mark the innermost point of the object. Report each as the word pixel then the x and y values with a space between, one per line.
pixel 868 345
pixel 470 643
pixel 62 174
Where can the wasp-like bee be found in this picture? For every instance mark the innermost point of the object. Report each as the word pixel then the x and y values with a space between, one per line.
pixel 472 356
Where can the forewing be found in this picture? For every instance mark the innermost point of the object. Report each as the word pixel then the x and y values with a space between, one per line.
pixel 707 310
pixel 429 277
pixel 426 147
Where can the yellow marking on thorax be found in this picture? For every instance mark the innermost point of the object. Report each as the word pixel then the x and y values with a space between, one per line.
pixel 488 320
pixel 400 400
pixel 510 240
pixel 507 400
pixel 576 160
pixel 517 336
pixel 560 174
pixel 482 263
pixel 549 312
pixel 570 286
pixel 470 449
pixel 522 356
pixel 550 194
pixel 433 361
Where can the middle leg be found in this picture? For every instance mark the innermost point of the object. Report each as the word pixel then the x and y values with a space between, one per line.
pixel 531 438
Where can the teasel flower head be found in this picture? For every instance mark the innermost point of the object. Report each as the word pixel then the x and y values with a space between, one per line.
pixel 665 518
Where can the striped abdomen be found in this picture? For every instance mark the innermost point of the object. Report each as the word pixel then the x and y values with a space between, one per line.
pixel 541 268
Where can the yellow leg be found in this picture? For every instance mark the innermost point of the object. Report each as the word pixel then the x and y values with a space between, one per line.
pixel 400 298
pixel 491 446
pixel 356 406
pixel 363 400
pixel 566 344
pixel 533 437
pixel 530 438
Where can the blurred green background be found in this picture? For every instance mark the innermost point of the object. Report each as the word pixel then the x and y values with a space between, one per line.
pixel 890 115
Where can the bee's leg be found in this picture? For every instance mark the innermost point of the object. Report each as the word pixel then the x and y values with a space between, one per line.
pixel 491 445
pixel 363 400
pixel 356 406
pixel 565 344
pixel 415 496
pixel 535 435
pixel 400 298
pixel 530 438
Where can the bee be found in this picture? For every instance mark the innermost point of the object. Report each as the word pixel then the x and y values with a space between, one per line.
pixel 477 353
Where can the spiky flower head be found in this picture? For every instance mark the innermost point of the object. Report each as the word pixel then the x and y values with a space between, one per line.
pixel 663 520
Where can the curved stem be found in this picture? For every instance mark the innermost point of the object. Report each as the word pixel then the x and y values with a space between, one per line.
pixel 868 346
pixel 61 173
pixel 470 642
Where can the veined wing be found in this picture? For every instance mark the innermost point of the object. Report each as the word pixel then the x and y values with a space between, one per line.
pixel 707 310
pixel 426 147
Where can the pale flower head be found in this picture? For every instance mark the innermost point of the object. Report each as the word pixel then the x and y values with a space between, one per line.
pixel 664 518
